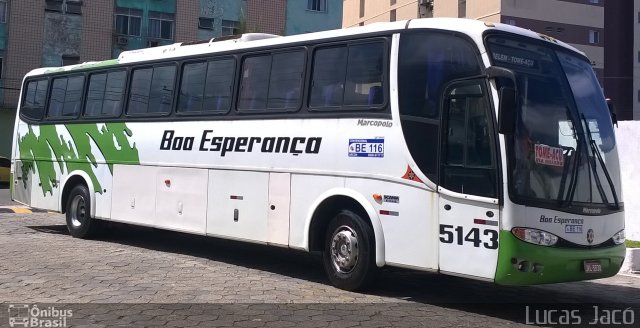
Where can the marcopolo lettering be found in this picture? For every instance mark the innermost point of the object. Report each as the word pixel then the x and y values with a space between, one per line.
pixel 386 124
pixel 224 145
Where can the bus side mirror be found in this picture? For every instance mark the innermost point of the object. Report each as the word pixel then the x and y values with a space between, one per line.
pixel 612 112
pixel 507 110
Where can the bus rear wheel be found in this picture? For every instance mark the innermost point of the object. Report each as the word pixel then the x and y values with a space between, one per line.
pixel 78 211
pixel 349 252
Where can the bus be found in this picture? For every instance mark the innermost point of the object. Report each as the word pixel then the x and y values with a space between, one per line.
pixel 447 145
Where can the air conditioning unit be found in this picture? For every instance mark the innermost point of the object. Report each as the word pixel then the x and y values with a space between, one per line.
pixel 122 41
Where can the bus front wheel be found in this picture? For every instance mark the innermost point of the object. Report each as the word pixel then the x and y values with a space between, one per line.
pixel 78 211
pixel 349 252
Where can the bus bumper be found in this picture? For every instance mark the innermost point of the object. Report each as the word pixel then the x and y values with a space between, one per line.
pixel 522 263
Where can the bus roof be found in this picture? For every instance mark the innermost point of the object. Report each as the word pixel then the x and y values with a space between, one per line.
pixel 473 28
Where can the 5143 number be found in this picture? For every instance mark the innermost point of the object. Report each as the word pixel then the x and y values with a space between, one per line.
pixel 450 234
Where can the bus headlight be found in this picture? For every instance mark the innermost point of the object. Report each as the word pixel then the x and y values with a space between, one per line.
pixel 619 237
pixel 535 236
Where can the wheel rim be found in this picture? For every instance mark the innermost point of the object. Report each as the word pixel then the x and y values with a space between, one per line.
pixel 344 249
pixel 78 211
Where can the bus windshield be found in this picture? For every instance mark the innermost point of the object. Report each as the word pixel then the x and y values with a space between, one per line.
pixel 563 149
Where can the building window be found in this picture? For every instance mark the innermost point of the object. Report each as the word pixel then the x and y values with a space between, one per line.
pixel 205 23
pixel 230 27
pixel 3 11
pixel 128 21
pixel 392 2
pixel 392 15
pixel 594 1
pixel 66 7
pixel 510 22
pixel 70 60
pixel 594 37
pixel 161 25
pixel 317 5
pixel 1 66
pixel 361 8
pixel 462 8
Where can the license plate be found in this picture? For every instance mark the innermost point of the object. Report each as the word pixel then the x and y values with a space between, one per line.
pixel 571 228
pixel 592 267
pixel 366 147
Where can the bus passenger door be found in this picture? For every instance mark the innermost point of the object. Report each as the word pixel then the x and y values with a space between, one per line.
pixel 468 196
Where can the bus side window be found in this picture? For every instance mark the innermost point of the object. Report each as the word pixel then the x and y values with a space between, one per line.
pixel 152 90
pixel 191 95
pixel 66 96
pixel 34 99
pixel 350 75
pixel 329 72
pixel 105 94
pixel 206 86
pixel 254 83
pixel 219 85
pixel 363 84
pixel 427 62
pixel 285 85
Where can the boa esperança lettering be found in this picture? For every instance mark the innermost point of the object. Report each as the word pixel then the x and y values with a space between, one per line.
pixel 209 142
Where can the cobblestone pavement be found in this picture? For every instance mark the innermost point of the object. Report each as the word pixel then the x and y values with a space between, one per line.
pixel 136 276
pixel 5 198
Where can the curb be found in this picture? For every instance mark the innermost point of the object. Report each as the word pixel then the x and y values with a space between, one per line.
pixel 19 210
pixel 631 261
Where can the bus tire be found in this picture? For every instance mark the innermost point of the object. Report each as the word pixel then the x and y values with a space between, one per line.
pixel 78 211
pixel 349 252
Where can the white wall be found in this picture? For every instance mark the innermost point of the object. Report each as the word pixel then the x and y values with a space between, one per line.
pixel 636 62
pixel 628 138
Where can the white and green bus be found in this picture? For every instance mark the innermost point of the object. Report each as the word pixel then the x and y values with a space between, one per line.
pixel 455 146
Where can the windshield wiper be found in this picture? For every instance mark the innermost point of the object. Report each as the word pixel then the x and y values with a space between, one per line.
pixel 570 152
pixel 573 182
pixel 574 175
pixel 596 151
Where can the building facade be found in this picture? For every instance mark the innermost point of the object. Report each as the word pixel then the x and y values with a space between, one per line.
pixel 266 16
pixel 304 16
pixel 620 20
pixel 220 18
pixel 46 33
pixel 362 12
pixel 580 23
